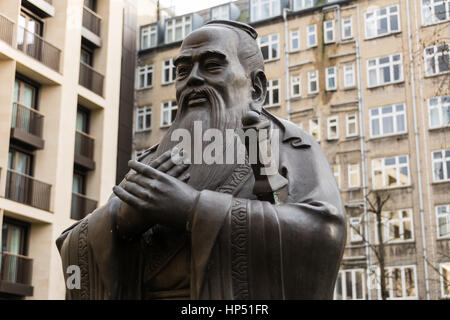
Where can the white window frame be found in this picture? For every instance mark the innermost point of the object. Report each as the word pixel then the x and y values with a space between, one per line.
pixel 273 85
pixel 374 65
pixel 442 279
pixel 356 223
pixel 427 13
pixel 349 69
pixel 314 126
pixel 184 22
pixel 270 41
pixel 442 107
pixel 348 122
pixel 337 174
pixel 302 4
pixel 329 77
pixel 383 169
pixel 256 11
pixel 296 81
pixel 142 113
pixel 172 71
pixel 434 57
pixel 149 32
pixel 354 169
pixel 294 35
pixel 389 278
pixel 444 160
pixel 446 217
pixel 333 122
pixel 168 107
pixel 395 115
pixel 347 23
pixel 387 223
pixel 313 76
pixel 342 278
pixel 221 12
pixel 329 26
pixel 309 33
pixel 145 72
pixel 376 16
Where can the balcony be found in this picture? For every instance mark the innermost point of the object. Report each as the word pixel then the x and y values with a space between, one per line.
pixel 15 274
pixel 27 190
pixel 36 47
pixel 81 206
pixel 42 8
pixel 26 126
pixel 91 27
pixel 6 30
pixel 84 150
pixel 91 79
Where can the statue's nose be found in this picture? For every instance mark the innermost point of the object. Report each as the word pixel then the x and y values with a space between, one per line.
pixel 195 78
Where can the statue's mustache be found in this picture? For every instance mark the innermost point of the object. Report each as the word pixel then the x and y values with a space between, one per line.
pixel 206 92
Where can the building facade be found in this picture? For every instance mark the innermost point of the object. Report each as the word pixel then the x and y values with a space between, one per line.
pixel 367 79
pixel 64 68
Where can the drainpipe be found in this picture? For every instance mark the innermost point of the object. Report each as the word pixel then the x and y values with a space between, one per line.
pixel 416 138
pixel 286 64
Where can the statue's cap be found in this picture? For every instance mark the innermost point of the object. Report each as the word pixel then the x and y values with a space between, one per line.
pixel 235 24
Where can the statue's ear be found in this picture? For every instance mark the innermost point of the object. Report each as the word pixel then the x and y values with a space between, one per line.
pixel 259 88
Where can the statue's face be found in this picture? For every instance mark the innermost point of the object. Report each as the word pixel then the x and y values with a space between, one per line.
pixel 209 58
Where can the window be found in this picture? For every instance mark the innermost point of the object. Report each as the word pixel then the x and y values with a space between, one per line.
pixel 437 59
pixel 382 21
pixel 400 282
pixel 331 76
pixel 356 230
pixel 82 124
pixel 169 71
pixel 332 125
pixel 169 113
pixel 349 76
pixel 264 9
pixel 441 165
pixel 314 128
pixel 397 226
pixel 388 120
pixel 350 285
pixel 28 27
pixel 296 88
pixel 145 77
pixel 347 28
pixel 443 221
pixel 91 4
pixel 21 165
pixel 144 119
pixel 337 174
pixel 311 36
pixel 390 172
pixel 149 37
pixel 354 180
pixel 444 270
pixel 295 40
pixel 270 47
pixel 351 125
pixel 220 13
pixel 178 28
pixel 303 4
pixel 313 82
pixel 385 70
pixel 87 56
pixel 435 11
pixel 439 111
pixel 328 31
pixel 273 93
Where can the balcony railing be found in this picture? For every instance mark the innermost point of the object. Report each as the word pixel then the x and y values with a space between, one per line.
pixel 91 21
pixel 81 206
pixel 16 268
pixel 91 79
pixel 84 145
pixel 6 30
pixel 27 190
pixel 27 120
pixel 39 49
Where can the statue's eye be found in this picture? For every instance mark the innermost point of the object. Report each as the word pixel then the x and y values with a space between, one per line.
pixel 182 71
pixel 212 66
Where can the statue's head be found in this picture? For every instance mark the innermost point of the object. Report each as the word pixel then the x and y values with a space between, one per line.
pixel 222 56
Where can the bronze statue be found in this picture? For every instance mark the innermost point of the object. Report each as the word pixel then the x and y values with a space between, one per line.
pixel 218 231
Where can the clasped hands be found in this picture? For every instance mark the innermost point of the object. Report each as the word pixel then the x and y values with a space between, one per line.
pixel 155 194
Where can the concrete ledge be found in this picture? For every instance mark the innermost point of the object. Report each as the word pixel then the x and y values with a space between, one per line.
pixel 40 7
pixel 26 213
pixel 91 37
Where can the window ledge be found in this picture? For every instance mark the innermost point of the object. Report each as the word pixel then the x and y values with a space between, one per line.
pixel 331 42
pixel 443 238
pixel 351 138
pixel 143 89
pixel 384 35
pixel 440 182
pixel 312 95
pixel 386 84
pixel 294 51
pixel 272 106
pixel 272 60
pixel 393 188
pixel 436 74
pixel 167 83
pixel 350 88
pixel 296 98
pixel 434 129
pixel 434 23
pixel 143 131
pixel 352 189
pixel 310 48
pixel 401 135
pixel 165 126
pixel 331 90
pixel 332 139
pixel 388 243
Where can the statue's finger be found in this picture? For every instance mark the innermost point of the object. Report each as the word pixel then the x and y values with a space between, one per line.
pixel 145 170
pixel 136 190
pixel 128 198
pixel 161 159
pixel 166 166
pixel 185 177
pixel 176 171
pixel 141 180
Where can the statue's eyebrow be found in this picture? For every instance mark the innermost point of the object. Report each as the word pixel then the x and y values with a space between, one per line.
pixel 188 57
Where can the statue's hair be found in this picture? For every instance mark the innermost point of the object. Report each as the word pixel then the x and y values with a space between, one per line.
pixel 249 52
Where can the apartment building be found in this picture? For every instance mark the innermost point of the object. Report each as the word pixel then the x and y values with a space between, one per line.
pixel 369 80
pixel 67 75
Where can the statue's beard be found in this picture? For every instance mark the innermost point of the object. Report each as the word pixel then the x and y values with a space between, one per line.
pixel 214 115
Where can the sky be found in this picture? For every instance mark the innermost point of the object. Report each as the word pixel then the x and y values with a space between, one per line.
pixel 188 6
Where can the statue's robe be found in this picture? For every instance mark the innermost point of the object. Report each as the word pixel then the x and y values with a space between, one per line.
pixel 237 247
